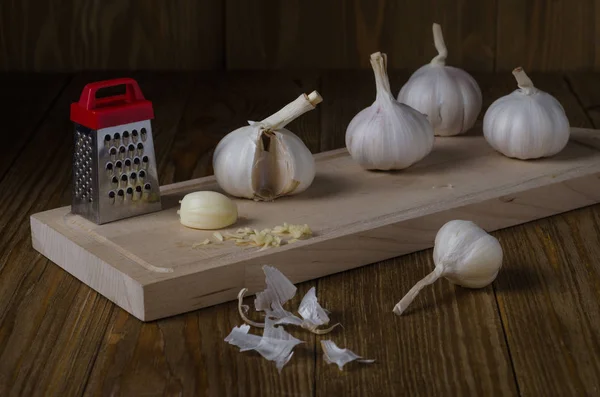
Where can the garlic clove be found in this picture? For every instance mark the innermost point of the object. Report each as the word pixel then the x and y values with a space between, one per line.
pixel 526 124
pixel 449 96
pixel 332 354
pixel 264 161
pixel 463 253
pixel 207 210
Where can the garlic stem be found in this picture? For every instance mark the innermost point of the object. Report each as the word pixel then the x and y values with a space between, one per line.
pixel 440 46
pixel 523 81
pixel 242 315
pixel 293 110
pixel 382 82
pixel 414 291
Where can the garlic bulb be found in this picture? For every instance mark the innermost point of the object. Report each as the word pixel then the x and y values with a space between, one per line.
pixel 264 161
pixel 207 210
pixel 526 124
pixel 449 96
pixel 464 254
pixel 388 135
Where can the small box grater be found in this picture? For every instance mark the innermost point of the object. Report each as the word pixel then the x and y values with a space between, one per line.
pixel 114 167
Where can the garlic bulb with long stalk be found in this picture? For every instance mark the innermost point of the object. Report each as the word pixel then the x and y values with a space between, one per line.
pixel 264 161
pixel 388 135
pixel 449 96
pixel 463 253
pixel 526 124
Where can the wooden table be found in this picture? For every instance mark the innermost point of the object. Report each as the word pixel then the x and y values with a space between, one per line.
pixel 534 332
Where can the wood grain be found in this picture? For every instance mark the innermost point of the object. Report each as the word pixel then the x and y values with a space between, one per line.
pixel 548 35
pixel 450 342
pixel 186 354
pixel 130 34
pixel 585 87
pixel 25 98
pixel 336 34
pixel 46 315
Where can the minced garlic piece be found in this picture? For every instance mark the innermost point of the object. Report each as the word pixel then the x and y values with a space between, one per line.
pixel 218 236
pixel 205 242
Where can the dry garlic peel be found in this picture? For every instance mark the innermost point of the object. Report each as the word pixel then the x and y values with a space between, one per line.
pixel 278 291
pixel 388 135
pixel 264 161
pixel 274 345
pixel 207 210
pixel 526 124
pixel 463 253
pixel 449 96
pixel 332 354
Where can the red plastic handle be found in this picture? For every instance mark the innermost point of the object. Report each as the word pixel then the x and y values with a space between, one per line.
pixel 88 99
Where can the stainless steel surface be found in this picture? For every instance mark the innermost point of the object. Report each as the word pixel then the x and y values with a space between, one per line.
pixel 114 172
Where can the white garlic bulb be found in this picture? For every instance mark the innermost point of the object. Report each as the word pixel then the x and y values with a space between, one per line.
pixel 464 254
pixel 449 96
pixel 388 135
pixel 207 210
pixel 264 161
pixel 526 124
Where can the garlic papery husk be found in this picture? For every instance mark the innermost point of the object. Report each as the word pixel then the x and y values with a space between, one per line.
pixel 264 160
pixel 449 96
pixel 526 124
pixel 207 210
pixel 332 354
pixel 463 253
pixel 388 135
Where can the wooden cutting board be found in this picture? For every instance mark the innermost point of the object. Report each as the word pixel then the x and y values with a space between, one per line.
pixel 147 265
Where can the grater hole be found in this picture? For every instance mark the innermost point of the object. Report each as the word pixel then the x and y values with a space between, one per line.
pixel 145 159
pixel 117 136
pixel 127 163
pixel 109 166
pixel 142 174
pixel 147 186
pixel 133 177
pixel 144 134
pixel 115 180
pixel 138 189
pixel 124 178
pixel 122 149
pixel 113 151
pixel 125 134
pixel 107 138
pixel 130 190
pixel 136 161
pixel 131 148
pixel 111 194
pixel 121 193
pixel 134 135
pixel 119 165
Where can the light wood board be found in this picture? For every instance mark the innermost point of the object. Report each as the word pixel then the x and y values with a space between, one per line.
pixel 147 265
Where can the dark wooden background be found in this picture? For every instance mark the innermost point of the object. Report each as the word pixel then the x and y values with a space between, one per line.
pixel 482 35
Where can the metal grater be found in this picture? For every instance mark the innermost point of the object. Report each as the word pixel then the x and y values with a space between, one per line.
pixel 114 167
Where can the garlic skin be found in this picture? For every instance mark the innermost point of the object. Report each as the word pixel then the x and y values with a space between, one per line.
pixel 449 96
pixel 207 210
pixel 388 135
pixel 264 161
pixel 464 254
pixel 526 124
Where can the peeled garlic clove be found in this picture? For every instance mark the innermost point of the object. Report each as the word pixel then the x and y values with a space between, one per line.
pixel 463 253
pixel 207 210
pixel 388 135
pixel 449 96
pixel 526 124
pixel 264 161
